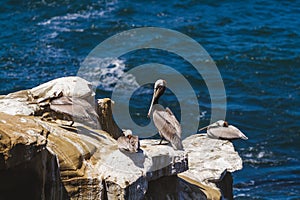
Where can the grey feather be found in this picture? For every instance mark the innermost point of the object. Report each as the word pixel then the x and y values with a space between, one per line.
pixel 218 130
pixel 167 125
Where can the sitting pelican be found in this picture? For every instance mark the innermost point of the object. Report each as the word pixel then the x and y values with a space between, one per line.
pixel 164 120
pixel 221 130
pixel 70 109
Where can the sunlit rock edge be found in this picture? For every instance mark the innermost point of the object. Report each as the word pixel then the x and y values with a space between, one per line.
pixel 83 162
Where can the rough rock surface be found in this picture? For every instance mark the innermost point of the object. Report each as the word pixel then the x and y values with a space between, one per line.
pixel 172 187
pixel 210 160
pixel 47 160
pixel 213 158
pixel 27 169
pixel 88 161
pixel 28 102
pixel 107 123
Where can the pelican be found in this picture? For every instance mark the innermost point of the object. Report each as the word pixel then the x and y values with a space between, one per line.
pixel 129 143
pixel 68 108
pixel 221 130
pixel 164 120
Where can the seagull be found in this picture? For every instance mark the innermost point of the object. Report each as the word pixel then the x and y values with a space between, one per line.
pixel 221 130
pixel 163 118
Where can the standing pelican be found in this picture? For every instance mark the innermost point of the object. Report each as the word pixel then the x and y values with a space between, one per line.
pixel 164 120
pixel 222 130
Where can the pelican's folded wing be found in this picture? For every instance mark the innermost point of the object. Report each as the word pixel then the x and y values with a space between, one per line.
pixel 174 121
pixel 228 133
pixel 62 101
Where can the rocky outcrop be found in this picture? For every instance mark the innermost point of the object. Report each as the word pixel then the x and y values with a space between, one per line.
pixel 84 163
pixel 104 109
pixel 87 162
pixel 27 169
pixel 37 101
pixel 43 158
pixel 211 162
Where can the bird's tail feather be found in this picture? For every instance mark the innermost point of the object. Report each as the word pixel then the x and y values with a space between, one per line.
pixel 244 137
pixel 177 143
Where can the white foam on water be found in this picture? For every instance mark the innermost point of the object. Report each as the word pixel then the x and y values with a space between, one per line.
pixel 92 12
pixel 261 154
pixel 105 73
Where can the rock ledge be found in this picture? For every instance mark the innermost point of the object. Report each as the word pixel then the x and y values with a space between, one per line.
pixel 44 158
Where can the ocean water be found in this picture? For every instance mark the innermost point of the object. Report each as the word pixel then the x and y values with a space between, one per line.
pixel 255 45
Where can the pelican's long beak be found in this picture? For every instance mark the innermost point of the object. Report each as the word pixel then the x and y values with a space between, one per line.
pixel 156 91
pixel 203 128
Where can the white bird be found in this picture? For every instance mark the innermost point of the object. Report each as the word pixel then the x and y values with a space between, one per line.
pixel 221 130
pixel 164 120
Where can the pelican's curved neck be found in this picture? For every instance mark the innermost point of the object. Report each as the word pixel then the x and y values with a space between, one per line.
pixel 157 93
pixel 160 92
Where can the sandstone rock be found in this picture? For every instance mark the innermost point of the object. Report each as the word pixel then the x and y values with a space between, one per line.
pixel 104 110
pixel 46 160
pixel 27 169
pixel 210 160
pixel 31 102
pixel 17 106
pixel 72 86
pixel 127 174
pixel 172 187
pixel 191 189
pixel 87 161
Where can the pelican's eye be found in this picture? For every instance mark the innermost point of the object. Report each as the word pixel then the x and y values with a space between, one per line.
pixel 159 87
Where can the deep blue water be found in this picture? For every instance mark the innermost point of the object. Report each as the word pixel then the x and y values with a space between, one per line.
pixel 255 44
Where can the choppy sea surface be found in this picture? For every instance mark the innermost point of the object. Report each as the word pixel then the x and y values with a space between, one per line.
pixel 255 45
